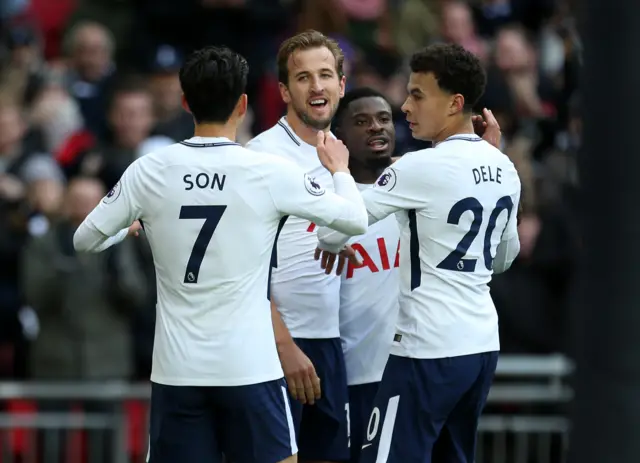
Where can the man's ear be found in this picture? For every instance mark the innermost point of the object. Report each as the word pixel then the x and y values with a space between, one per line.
pixel 284 93
pixel 185 105
pixel 457 104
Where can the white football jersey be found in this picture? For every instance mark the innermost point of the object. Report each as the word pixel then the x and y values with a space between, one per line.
pixel 369 301
pixel 308 300
pixel 455 204
pixel 211 210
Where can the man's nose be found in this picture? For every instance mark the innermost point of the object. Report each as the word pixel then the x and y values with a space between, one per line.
pixel 316 85
pixel 375 126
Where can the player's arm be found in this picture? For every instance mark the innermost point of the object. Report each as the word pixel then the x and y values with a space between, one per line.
pixel 400 187
pixel 256 144
pixel 296 193
pixel 509 246
pixel 280 330
pixel 302 379
pixel 111 221
pixel 302 196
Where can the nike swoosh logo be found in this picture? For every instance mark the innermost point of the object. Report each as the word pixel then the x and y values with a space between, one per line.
pixel 366 445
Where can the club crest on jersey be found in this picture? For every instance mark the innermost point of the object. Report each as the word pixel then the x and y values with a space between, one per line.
pixel 387 181
pixel 113 194
pixel 312 186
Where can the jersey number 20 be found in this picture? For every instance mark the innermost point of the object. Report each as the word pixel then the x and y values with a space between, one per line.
pixel 456 261
pixel 211 216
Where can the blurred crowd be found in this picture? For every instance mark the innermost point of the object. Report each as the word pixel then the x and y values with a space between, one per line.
pixel 87 86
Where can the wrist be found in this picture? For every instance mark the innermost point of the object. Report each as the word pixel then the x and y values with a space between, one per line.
pixel 344 170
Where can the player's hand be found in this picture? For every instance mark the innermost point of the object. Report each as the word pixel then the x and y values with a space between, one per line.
pixel 487 127
pixel 134 229
pixel 332 153
pixel 302 380
pixel 328 259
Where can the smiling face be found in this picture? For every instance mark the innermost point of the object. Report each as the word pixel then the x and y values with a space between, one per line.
pixel 314 86
pixel 368 132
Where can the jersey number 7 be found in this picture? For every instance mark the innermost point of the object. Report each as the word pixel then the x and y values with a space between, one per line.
pixel 211 216
pixel 456 261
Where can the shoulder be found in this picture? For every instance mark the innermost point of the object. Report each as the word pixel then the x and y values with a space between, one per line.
pixel 265 139
pixel 277 139
pixel 153 161
pixel 414 162
pixel 154 143
pixel 503 161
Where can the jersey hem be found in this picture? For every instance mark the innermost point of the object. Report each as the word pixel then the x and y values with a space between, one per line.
pixel 172 381
pixel 307 335
pixel 426 355
pixel 364 380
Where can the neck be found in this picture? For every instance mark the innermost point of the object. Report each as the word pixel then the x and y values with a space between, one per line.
pixel 208 130
pixel 367 174
pixel 460 126
pixel 307 134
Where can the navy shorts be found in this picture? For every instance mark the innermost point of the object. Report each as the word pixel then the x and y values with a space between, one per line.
pixel 427 410
pixel 322 428
pixel 361 399
pixel 248 424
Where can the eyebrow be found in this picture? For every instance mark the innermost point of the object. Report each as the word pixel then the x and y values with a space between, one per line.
pixel 385 112
pixel 302 73
pixel 414 91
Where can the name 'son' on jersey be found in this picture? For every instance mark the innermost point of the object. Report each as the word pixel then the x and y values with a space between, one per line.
pixel 203 181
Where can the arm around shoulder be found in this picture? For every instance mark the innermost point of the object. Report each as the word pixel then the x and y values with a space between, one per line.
pixel 296 193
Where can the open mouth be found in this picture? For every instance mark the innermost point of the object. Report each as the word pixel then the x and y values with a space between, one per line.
pixel 378 143
pixel 318 103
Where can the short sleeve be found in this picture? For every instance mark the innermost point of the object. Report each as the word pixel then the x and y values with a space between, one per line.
pixel 511 230
pixel 296 193
pixel 402 186
pixel 122 204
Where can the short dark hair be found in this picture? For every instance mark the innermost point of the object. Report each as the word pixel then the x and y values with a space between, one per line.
pixel 306 41
pixel 350 97
pixel 212 80
pixel 456 70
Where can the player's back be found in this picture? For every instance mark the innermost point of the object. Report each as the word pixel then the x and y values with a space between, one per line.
pixel 211 223
pixel 472 190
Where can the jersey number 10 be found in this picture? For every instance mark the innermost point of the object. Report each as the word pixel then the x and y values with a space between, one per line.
pixel 456 261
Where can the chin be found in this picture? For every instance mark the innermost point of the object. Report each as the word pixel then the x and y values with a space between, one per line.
pixel 422 137
pixel 317 124
pixel 379 159
pixel 381 154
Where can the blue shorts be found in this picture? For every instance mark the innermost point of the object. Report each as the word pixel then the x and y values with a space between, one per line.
pixel 248 424
pixel 322 428
pixel 361 399
pixel 427 410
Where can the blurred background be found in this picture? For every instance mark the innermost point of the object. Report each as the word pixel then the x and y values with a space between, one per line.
pixel 87 86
